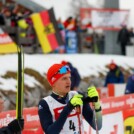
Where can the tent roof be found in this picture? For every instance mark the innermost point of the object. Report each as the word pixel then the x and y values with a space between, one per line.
pixel 30 5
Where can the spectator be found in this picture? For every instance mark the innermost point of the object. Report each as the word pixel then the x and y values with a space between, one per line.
pixel 14 126
pixel 123 39
pixel 131 36
pixel 60 24
pixel 78 26
pixel 75 76
pixel 69 24
pixel 22 24
pixel 15 15
pixel 62 112
pixel 130 85
pixel 7 17
pixel 2 19
pixel 114 75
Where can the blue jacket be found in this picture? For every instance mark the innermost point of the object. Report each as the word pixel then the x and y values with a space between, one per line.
pixel 75 77
pixel 114 76
pixel 130 85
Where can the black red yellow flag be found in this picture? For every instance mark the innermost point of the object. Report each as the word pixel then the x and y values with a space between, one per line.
pixel 47 30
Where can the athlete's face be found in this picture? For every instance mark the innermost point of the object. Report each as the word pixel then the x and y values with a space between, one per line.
pixel 62 85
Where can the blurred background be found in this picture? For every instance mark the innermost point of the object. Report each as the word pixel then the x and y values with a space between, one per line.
pixel 95 36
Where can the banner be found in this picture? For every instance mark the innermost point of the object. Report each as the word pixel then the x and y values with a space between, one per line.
pixel 112 124
pixel 47 30
pixel 114 104
pixel 129 121
pixel 118 117
pixel 112 90
pixel 30 116
pixel 107 19
pixel 6 43
pixel 71 40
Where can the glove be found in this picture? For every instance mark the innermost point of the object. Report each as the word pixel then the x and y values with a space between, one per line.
pixel 93 94
pixel 76 100
pixel 16 125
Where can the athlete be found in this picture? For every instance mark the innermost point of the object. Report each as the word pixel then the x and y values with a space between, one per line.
pixel 62 112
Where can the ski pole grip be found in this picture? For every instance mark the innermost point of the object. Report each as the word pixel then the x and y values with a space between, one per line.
pixel 94 99
pixel 88 99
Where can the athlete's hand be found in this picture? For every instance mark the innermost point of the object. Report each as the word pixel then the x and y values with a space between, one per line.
pixel 93 94
pixel 16 125
pixel 76 100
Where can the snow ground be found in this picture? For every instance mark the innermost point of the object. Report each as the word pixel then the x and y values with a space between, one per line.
pixel 87 65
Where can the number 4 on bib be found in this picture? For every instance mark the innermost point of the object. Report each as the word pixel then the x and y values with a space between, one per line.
pixel 71 125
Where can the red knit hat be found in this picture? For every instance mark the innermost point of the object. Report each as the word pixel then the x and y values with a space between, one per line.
pixel 64 62
pixel 52 75
pixel 112 65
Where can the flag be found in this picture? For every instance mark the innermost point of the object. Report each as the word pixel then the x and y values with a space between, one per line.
pixel 6 43
pixel 47 30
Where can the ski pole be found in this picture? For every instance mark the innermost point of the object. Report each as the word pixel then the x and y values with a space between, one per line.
pixel 78 110
pixel 93 99
pixel 20 85
pixel 96 126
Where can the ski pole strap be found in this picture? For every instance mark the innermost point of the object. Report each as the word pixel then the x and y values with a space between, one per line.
pixel 98 110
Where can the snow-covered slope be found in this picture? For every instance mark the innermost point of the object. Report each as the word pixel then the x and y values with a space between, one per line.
pixel 87 64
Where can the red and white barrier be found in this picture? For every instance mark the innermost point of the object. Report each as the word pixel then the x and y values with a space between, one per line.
pixel 118 117
pixel 112 90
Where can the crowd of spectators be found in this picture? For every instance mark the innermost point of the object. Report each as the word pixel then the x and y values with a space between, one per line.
pixel 115 75
pixel 13 15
